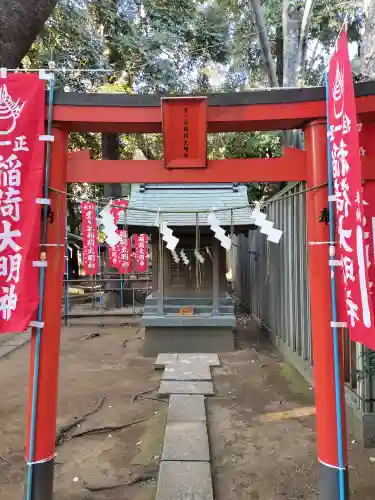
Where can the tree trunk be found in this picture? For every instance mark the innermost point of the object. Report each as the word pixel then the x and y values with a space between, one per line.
pixel 301 56
pixel 110 151
pixel 290 38
pixel 368 41
pixel 264 42
pixel 21 22
pixel 279 55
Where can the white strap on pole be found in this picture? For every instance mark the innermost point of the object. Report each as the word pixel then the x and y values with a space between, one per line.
pixel 47 138
pixel 36 324
pixel 43 201
pixel 39 263
pixel 339 324
pixel 335 263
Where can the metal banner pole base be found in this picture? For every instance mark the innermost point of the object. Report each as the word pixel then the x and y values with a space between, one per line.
pixel 42 483
pixel 329 482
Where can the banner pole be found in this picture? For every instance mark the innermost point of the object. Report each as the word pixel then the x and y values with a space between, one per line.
pixel 38 331
pixel 321 316
pixel 45 345
pixel 100 272
pixel 336 359
pixel 67 308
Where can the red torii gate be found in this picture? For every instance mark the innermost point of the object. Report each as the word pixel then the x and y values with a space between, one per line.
pixel 241 112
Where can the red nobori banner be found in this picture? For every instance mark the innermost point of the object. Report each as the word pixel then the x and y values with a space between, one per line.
pixel 140 242
pixel 21 181
pixel 124 253
pixel 113 252
pixel 90 238
pixel 367 147
pixel 119 206
pixel 369 225
pixel 112 256
pixel 347 177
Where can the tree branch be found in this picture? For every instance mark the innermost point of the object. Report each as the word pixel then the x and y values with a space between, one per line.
pixel 21 22
pixel 264 42
pixel 65 428
pixel 302 47
pixel 290 36
pixel 108 428
pixel 139 478
pixel 368 42
pixel 5 460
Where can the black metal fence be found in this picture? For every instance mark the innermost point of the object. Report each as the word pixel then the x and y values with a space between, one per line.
pixel 88 297
pixel 273 282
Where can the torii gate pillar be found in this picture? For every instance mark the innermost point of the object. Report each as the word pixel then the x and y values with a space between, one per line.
pixel 46 409
pixel 321 317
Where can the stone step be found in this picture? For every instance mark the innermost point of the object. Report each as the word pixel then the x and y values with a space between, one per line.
pixel 175 309
pixel 184 481
pixel 193 321
pixel 164 359
pixel 189 301
pixel 212 359
pixel 186 441
pixel 168 387
pixel 189 369
pixel 186 408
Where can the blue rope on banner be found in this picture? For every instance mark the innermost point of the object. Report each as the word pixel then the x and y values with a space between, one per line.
pixel 340 446
pixel 121 291
pixel 34 399
pixel 67 305
pixel 100 268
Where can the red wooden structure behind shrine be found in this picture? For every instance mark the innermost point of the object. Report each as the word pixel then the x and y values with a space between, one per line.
pixel 242 112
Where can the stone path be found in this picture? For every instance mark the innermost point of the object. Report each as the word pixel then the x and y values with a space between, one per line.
pixel 12 341
pixel 185 471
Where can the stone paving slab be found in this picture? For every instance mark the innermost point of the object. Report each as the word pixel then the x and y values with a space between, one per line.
pixel 15 341
pixel 165 359
pixel 6 349
pixel 19 339
pixel 184 481
pixel 168 387
pixel 193 370
pixel 186 441
pixel 190 356
pixel 186 408
pixel 210 359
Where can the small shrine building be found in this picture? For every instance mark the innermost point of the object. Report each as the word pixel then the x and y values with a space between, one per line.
pixel 189 308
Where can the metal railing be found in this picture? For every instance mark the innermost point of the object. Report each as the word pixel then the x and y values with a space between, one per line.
pixel 272 281
pixel 88 299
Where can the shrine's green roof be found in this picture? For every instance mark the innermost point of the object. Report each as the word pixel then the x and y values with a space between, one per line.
pixel 190 198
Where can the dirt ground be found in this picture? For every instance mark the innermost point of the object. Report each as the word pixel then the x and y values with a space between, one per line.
pixel 262 429
pixel 261 422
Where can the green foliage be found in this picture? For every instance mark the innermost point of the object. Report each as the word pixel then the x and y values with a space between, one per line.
pixel 77 142
pixel 72 40
pixel 159 43
pixel 246 68
pixel 87 140
pixel 368 365
pixel 248 145
pixel 178 47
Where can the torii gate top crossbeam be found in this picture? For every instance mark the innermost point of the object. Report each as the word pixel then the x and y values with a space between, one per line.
pixel 279 109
